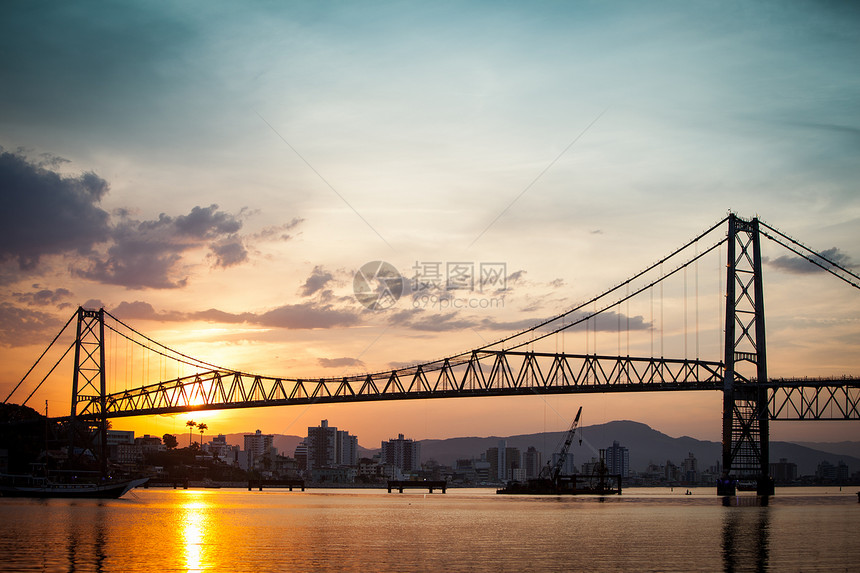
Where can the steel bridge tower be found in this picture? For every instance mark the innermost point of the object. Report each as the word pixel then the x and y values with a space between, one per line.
pixel 745 403
pixel 88 427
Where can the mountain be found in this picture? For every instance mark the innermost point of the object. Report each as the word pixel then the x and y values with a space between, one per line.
pixel 838 448
pixel 645 445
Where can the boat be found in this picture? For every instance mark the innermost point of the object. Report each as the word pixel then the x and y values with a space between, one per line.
pixel 553 482
pixel 44 487
pixel 566 485
pixel 747 485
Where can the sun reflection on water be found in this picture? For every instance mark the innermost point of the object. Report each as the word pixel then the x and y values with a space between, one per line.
pixel 194 522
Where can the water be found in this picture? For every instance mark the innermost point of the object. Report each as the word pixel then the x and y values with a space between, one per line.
pixel 808 529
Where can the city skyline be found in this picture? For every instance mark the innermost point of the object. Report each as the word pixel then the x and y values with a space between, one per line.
pixel 216 177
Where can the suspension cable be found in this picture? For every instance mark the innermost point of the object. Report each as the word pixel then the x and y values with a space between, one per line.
pixel 813 261
pixel 631 295
pixel 42 356
pixel 72 345
pixel 801 245
pixel 193 361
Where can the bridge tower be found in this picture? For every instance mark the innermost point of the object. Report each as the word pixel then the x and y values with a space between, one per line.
pixel 745 412
pixel 88 427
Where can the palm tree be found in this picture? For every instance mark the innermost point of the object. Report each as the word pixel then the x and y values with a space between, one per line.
pixel 190 424
pixel 202 427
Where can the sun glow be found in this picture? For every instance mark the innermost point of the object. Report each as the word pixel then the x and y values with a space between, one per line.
pixel 195 523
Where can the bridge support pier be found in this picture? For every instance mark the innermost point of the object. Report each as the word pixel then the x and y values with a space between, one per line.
pixel 88 427
pixel 746 433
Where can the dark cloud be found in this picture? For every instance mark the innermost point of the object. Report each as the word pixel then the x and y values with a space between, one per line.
pixel 799 265
pixel 205 223
pixel 317 281
pixel 215 315
pixel 340 362
pixel 229 251
pixel 146 254
pixel 42 297
pixel 43 213
pixel 143 311
pixel 307 315
pixel 21 327
pixel 94 303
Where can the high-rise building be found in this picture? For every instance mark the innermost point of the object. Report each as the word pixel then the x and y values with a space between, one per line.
pixel 783 471
pixel 403 453
pixel 301 456
pixel 258 445
pixel 568 467
pixel 533 463
pixel 513 461
pixel 346 449
pixel 618 460
pixel 690 469
pixel 498 458
pixel 492 458
pixel 328 447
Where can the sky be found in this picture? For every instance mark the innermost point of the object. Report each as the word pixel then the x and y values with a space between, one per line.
pixel 216 174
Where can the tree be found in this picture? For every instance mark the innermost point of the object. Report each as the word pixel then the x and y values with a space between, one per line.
pixel 170 441
pixel 202 427
pixel 190 424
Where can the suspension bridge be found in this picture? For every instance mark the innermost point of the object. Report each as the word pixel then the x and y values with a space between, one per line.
pixel 524 363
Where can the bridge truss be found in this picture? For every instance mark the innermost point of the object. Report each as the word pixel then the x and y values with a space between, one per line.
pixel 511 366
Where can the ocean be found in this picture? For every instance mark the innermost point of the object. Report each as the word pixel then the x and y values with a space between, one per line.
pixel 370 530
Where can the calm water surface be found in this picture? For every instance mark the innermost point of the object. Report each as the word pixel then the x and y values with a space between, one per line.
pixel 809 529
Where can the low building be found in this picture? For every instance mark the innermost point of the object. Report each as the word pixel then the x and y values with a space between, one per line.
pixel 338 475
pixel 783 471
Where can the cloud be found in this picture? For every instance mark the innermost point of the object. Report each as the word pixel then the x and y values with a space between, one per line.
pixel 229 251
pixel 516 276
pixel 144 311
pixel 340 362
pixel 279 232
pixel 309 315
pixel 447 322
pixel 319 278
pixel 42 297
pixel 43 213
pixel 204 223
pixel 146 254
pixel 20 327
pixel 799 265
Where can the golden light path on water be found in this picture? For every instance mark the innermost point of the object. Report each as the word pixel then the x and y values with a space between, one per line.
pixel 195 525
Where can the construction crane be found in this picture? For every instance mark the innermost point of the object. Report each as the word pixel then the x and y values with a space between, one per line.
pixel 552 472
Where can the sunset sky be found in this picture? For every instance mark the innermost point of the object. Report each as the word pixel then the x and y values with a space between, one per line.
pixel 215 174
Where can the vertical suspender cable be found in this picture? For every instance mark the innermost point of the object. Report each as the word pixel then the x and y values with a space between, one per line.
pixel 685 313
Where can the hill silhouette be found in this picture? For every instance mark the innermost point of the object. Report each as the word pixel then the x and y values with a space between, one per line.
pixel 645 445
